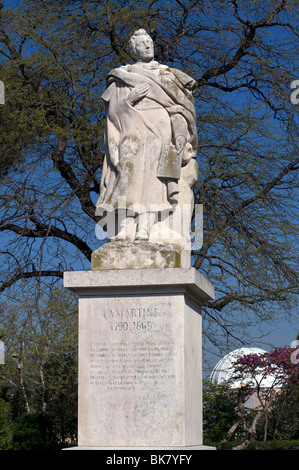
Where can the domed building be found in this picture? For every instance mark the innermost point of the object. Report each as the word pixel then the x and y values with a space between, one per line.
pixel 224 369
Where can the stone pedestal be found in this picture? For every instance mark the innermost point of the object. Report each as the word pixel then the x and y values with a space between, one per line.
pixel 139 255
pixel 140 358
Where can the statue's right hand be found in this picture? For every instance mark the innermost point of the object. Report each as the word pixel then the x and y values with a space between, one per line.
pixel 138 93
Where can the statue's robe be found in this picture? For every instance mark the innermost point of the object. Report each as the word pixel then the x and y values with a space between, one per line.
pixel 139 136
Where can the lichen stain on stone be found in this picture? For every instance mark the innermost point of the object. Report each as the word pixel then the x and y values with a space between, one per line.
pixel 129 148
pixel 129 255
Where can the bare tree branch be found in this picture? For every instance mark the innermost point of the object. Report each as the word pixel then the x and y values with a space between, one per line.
pixel 233 213
pixel 29 275
pixel 246 42
pixel 68 174
pixel 41 230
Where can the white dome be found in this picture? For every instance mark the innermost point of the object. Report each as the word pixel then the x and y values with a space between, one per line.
pixel 223 370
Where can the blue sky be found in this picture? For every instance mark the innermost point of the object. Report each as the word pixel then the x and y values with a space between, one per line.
pixel 11 3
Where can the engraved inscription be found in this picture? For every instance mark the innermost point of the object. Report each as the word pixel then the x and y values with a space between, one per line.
pixel 137 358
pixel 127 365
pixel 135 325
pixel 132 319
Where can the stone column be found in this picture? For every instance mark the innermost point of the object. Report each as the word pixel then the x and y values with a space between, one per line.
pixel 140 342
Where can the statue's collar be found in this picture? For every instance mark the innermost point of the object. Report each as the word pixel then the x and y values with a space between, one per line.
pixel 152 65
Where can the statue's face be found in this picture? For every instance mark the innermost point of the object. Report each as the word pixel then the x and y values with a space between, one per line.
pixel 144 48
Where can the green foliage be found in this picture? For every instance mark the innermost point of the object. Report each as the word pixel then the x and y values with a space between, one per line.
pixel 279 428
pixel 31 432
pixel 218 411
pixel 40 374
pixel 268 445
pixel 283 419
pixel 6 425
pixel 21 120
pixel 61 395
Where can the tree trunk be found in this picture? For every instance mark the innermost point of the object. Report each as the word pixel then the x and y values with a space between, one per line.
pixel 252 429
pixel 241 414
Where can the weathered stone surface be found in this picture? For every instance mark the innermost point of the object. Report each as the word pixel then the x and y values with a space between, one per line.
pixel 170 280
pixel 150 145
pixel 139 255
pixel 140 357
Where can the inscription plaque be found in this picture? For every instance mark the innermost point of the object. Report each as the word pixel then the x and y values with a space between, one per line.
pixel 130 366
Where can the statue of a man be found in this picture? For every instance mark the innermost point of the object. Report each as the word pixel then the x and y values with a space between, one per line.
pixel 151 142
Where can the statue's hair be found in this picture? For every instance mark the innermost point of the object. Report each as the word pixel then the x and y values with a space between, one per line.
pixel 131 43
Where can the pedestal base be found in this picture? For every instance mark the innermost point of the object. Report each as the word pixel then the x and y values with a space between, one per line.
pixel 139 255
pixel 140 358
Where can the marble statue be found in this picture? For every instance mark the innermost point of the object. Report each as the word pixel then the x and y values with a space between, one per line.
pixel 150 148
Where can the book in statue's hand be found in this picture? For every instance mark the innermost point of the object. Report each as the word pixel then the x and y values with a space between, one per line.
pixel 170 163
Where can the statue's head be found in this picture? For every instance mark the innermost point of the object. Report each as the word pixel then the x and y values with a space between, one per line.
pixel 141 46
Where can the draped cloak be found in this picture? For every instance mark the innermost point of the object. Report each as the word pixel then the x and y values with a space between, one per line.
pixel 135 136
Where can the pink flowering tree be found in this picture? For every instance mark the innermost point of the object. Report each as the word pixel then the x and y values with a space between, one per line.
pixel 263 376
